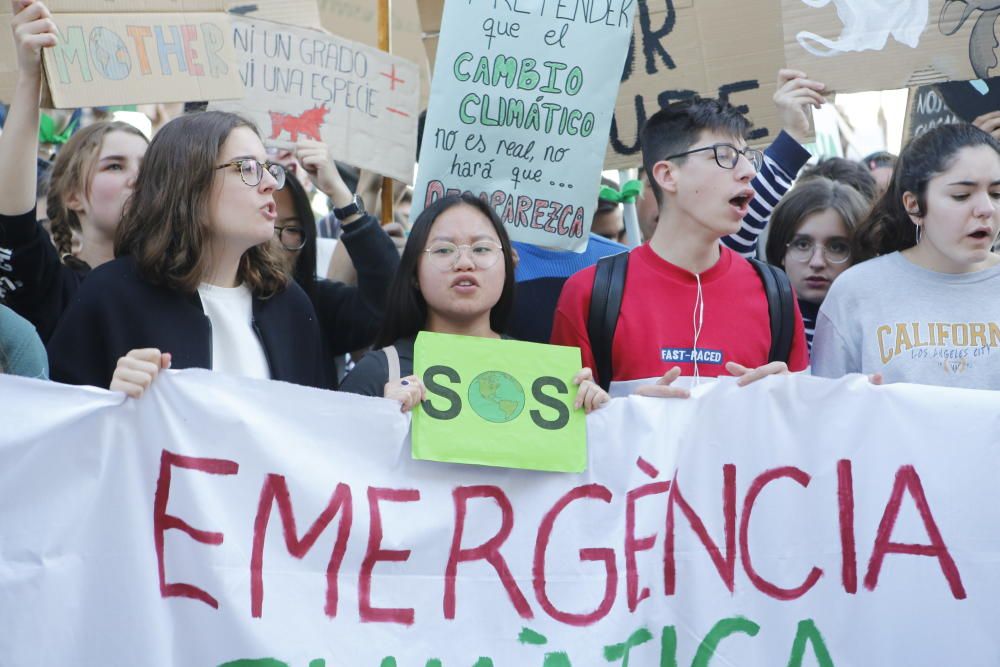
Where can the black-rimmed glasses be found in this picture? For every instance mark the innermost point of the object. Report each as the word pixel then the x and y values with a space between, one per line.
pixel 252 171
pixel 727 156
pixel 291 237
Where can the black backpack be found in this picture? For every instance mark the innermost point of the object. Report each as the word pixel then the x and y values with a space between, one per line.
pixel 606 304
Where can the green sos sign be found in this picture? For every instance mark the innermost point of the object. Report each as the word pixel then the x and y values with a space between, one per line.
pixel 498 402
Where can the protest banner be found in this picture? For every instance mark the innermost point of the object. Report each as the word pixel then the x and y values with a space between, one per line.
pixel 132 51
pixel 224 521
pixel 306 83
pixel 521 416
pixel 520 110
pixel 680 48
pixel 858 45
pixel 926 109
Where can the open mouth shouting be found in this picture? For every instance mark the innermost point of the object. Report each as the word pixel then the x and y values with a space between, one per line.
pixel 741 202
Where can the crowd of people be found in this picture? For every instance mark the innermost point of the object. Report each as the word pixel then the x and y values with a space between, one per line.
pixel 200 248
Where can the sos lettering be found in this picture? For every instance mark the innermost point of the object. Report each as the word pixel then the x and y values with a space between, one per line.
pixel 445 389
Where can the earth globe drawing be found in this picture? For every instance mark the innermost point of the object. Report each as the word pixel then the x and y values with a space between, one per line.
pixel 110 54
pixel 496 396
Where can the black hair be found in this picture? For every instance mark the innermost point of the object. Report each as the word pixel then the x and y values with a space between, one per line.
pixel 675 128
pixel 845 171
pixel 889 227
pixel 879 159
pixel 812 196
pixel 304 272
pixel 405 308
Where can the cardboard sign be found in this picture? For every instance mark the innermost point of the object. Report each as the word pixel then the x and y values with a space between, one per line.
pixel 520 110
pixel 303 83
pixel 926 109
pixel 950 102
pixel 712 48
pixel 499 403
pixel 220 521
pixel 358 20
pixel 128 52
pixel 857 45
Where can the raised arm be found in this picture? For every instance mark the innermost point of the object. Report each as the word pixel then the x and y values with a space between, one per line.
pixel 33 30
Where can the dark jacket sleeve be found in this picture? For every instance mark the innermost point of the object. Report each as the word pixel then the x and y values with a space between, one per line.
pixel 34 283
pixel 350 316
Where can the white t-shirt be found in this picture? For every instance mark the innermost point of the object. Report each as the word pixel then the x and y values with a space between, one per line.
pixel 236 350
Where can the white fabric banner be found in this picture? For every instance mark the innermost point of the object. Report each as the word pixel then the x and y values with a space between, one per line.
pixel 222 521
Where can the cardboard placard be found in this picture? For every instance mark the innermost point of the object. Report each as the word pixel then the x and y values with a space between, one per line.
pixel 713 48
pixel 129 52
pixel 303 83
pixel 358 20
pixel 499 403
pixel 857 45
pixel 520 110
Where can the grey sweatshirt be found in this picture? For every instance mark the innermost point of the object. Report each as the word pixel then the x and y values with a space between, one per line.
pixel 893 317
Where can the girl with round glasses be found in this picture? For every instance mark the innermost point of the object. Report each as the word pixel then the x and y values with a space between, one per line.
pixel 196 282
pixel 925 309
pixel 349 315
pixel 810 238
pixel 456 276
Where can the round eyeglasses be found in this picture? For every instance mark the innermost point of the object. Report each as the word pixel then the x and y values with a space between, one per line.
pixel 291 237
pixel 445 255
pixel 252 171
pixel 727 156
pixel 836 252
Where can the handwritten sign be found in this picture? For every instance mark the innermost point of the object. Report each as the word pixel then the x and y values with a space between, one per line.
pixel 235 523
pixel 683 48
pixel 857 45
pixel 303 83
pixel 520 110
pixel 498 402
pixel 128 52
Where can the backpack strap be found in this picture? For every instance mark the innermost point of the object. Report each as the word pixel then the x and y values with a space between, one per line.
pixel 392 359
pixel 605 305
pixel 780 307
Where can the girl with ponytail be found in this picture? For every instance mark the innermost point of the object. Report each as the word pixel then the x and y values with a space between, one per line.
pixel 924 309
pixel 90 181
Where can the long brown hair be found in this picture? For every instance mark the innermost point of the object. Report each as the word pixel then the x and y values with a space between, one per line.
pixel 166 226
pixel 71 173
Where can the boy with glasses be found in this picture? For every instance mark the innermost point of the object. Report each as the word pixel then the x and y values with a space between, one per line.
pixel 688 305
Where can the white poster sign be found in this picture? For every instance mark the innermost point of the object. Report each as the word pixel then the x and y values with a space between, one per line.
pixel 520 109
pixel 225 522
pixel 309 84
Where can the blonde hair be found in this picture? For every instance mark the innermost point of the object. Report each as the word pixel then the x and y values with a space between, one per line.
pixel 71 173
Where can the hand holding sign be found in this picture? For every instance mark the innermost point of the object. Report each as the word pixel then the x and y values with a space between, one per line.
pixel 589 396
pixel 794 96
pixel 33 29
pixel 409 391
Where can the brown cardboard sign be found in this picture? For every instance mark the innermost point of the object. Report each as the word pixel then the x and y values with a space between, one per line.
pixel 856 45
pixel 303 83
pixel 712 48
pixel 357 20
pixel 129 52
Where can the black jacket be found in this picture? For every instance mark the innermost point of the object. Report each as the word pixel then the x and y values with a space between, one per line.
pixel 116 310
pixel 34 282
pixel 349 317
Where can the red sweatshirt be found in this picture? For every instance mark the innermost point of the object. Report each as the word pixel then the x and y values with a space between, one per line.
pixel 656 327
